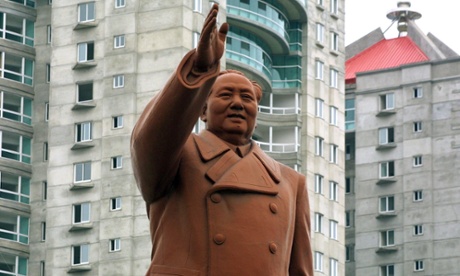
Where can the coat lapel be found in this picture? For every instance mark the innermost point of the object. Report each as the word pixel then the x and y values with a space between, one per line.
pixel 255 172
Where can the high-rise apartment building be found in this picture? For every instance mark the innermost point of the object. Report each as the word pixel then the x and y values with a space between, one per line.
pixel 402 148
pixel 75 75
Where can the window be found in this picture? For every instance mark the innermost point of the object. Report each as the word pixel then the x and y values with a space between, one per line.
pixel 319 184
pixel 320 2
pixel 418 195
pixel 118 81
pixel 14 228
pixel 417 92
pixel 320 33
pixel 333 267
pixel 16 68
pixel 319 108
pixel 83 132
pixel 85 51
pixel 333 190
pixel 115 203
pixel 387 169
pixel 80 254
pixel 117 121
pixel 120 4
pixel 81 213
pixel 333 229
pixel 119 41
pixel 417 127
pixel 14 187
pixel 197 5
pixel 196 38
pixel 17 28
pixel 387 204
pixel 48 73
pixel 16 108
pixel 334 7
pixel 386 135
pixel 85 92
pixel 319 222
pixel 47 112
pixel 387 270
pixel 86 12
pixel 82 172
pixel 115 245
pixel 348 253
pixel 42 268
pixel 334 41
pixel 387 238
pixel 43 234
pixel 349 114
pixel 319 70
pixel 387 101
pixel 333 153
pixel 318 261
pixel 45 151
pixel 418 265
pixel 15 147
pixel 348 184
pixel 334 78
pixel 319 144
pixel 48 34
pixel 418 230
pixel 117 162
pixel 348 152
pixel 333 112
pixel 347 218
pixel 13 265
pixel 44 190
pixel 417 161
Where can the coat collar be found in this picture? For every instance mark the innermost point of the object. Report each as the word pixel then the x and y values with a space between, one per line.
pixel 261 173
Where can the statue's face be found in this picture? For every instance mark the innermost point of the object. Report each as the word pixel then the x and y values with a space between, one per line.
pixel 231 109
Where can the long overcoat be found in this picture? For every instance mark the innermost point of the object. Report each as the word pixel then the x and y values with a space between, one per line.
pixel 211 211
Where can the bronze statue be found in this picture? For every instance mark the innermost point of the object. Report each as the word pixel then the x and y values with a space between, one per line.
pixel 217 204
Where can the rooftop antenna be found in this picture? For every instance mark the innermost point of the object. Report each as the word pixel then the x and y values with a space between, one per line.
pixel 402 15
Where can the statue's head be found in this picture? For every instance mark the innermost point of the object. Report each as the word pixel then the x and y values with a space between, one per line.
pixel 231 109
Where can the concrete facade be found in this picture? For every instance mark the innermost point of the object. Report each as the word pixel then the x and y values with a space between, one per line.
pixel 404 199
pixel 94 72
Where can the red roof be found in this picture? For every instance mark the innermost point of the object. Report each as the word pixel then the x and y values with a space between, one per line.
pixel 384 54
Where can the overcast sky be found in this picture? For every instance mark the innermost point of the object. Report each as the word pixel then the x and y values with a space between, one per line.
pixel 439 17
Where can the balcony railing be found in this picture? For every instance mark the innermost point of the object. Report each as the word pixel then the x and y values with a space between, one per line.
pixel 278 147
pixel 276 21
pixel 279 110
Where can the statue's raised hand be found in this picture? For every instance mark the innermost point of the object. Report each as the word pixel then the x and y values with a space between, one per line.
pixel 212 43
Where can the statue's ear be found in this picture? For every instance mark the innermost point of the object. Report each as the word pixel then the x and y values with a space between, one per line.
pixel 203 116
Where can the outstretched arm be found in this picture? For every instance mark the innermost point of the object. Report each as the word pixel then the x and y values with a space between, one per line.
pixel 168 119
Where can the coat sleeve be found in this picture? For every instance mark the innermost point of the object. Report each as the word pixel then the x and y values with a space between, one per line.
pixel 301 262
pixel 164 126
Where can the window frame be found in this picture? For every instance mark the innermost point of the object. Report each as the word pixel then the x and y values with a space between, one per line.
pixel 83 132
pixel 389 168
pixel 333 229
pixel 84 251
pixel 419 265
pixel 114 245
pixel 333 191
pixel 117 122
pixel 334 41
pixel 333 153
pixel 84 213
pixel 318 261
pixel 418 230
pixel 320 29
pixel 85 51
pixel 386 135
pixel 387 238
pixel 120 4
pixel 417 161
pixel 417 196
pixel 81 168
pixel 387 101
pixel 119 41
pixel 318 227
pixel 118 81
pixel 319 146
pixel 87 8
pixel 116 162
pixel 319 70
pixel 417 127
pixel 115 203
pixel 319 181
pixel 417 92
pixel 389 205
pixel 319 108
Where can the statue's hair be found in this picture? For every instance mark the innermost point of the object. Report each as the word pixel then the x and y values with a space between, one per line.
pixel 257 88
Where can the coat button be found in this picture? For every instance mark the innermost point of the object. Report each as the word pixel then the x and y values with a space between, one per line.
pixel 216 197
pixel 273 208
pixel 219 239
pixel 273 247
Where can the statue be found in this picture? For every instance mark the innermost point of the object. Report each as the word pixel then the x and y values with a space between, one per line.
pixel 217 204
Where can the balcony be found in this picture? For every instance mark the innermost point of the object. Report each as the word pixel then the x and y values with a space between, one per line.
pixel 263 19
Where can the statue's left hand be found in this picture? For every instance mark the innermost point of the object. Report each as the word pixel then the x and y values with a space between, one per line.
pixel 212 43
